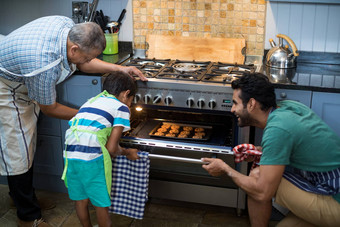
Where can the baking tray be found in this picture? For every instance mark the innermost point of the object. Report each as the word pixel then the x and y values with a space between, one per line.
pixel 207 131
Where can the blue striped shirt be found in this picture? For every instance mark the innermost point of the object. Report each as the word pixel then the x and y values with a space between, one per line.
pixel 103 112
pixel 324 183
pixel 32 47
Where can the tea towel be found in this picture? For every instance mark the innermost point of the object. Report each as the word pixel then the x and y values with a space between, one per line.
pixel 130 180
pixel 243 151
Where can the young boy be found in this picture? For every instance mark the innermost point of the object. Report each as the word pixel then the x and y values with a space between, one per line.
pixel 91 141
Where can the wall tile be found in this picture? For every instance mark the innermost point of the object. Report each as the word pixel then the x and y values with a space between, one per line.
pixel 202 18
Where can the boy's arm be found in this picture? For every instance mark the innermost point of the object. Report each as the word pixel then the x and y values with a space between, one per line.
pixel 112 145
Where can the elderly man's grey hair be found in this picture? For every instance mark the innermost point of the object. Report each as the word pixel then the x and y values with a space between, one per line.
pixel 88 36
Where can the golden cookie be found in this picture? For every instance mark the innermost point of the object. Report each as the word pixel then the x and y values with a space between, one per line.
pixel 197 137
pixel 162 130
pixel 175 126
pixel 185 132
pixel 170 135
pixel 187 128
pixel 199 129
pixel 166 126
pixel 159 134
pixel 174 131
pixel 200 134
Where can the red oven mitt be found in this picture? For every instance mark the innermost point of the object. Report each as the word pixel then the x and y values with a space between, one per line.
pixel 242 152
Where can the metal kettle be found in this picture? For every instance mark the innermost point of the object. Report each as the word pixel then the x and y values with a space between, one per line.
pixel 280 56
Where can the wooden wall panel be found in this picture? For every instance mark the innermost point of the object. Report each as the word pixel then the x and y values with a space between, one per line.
pixel 312 27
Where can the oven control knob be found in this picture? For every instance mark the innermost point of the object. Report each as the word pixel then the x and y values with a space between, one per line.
pixel 147 99
pixel 200 103
pixel 212 104
pixel 190 102
pixel 136 98
pixel 168 100
pixel 157 99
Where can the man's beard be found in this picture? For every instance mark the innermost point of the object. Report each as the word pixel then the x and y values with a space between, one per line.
pixel 245 119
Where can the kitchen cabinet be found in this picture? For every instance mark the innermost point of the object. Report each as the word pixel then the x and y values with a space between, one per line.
pixel 327 106
pixel 75 91
pixel 304 97
pixel 48 162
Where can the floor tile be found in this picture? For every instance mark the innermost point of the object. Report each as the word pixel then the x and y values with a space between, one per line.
pixel 158 213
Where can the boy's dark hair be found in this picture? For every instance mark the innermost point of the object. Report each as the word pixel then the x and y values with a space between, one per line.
pixel 257 86
pixel 117 82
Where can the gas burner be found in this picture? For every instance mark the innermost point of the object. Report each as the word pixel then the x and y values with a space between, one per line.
pixel 221 78
pixel 234 68
pixel 223 67
pixel 149 74
pixel 151 63
pixel 186 67
pixel 176 76
pixel 149 67
pixel 226 73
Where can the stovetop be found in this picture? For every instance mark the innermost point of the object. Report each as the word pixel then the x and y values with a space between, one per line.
pixel 197 85
pixel 179 70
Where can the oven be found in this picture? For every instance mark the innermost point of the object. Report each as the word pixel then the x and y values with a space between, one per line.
pixel 193 98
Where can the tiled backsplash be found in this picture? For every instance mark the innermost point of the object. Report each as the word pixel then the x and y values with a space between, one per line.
pixel 202 18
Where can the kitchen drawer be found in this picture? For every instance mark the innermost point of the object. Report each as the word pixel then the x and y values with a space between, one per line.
pixel 304 97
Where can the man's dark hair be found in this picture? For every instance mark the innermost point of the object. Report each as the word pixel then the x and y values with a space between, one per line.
pixel 257 86
pixel 117 82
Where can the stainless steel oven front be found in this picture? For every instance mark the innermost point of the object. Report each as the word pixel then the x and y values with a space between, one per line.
pixel 176 169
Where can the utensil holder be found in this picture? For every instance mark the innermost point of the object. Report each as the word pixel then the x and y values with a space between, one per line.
pixel 111 43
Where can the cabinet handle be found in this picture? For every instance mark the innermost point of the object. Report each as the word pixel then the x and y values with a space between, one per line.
pixel 94 82
pixel 283 95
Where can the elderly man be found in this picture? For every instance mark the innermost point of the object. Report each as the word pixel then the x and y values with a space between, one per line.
pixel 300 163
pixel 33 60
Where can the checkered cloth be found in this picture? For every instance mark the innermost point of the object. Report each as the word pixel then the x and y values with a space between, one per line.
pixel 130 180
pixel 242 152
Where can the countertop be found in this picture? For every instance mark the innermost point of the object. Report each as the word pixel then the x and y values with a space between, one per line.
pixel 124 52
pixel 315 72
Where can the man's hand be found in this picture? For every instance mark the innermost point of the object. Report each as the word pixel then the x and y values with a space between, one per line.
pixel 215 167
pixel 131 153
pixel 98 66
pixel 133 71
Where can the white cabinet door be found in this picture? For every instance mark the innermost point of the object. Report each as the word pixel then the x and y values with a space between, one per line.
pixel 327 106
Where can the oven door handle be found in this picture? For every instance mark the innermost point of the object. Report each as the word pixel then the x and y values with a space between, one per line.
pixel 178 159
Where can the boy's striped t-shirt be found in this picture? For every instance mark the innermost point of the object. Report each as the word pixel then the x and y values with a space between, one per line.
pixel 104 112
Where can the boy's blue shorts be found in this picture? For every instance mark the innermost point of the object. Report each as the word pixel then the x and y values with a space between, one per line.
pixel 86 180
